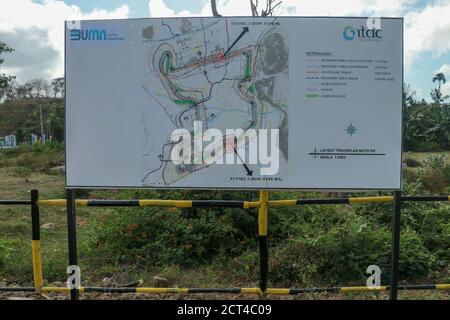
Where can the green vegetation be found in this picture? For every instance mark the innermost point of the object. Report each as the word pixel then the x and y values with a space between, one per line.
pixel 310 245
pixel 21 117
pixel 5 80
pixel 426 126
pixel 316 245
pixel 28 159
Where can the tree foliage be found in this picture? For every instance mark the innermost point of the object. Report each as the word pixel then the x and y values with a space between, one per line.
pixel 426 126
pixel 5 80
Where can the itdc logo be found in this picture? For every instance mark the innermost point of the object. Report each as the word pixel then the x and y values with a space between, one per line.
pixel 362 33
pixel 349 33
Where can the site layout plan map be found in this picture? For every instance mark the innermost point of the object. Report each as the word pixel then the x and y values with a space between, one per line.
pixel 131 83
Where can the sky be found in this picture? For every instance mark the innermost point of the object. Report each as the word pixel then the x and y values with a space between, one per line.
pixel 34 28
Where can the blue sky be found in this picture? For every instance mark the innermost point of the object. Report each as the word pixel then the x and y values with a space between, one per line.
pixel 427 28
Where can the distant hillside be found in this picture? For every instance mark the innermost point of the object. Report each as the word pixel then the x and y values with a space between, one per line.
pixel 21 117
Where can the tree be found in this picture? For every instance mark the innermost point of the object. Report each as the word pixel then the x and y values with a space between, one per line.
pixel 438 97
pixel 24 91
pixel 10 93
pixel 438 125
pixel 440 78
pixel 55 120
pixel 214 9
pixel 58 87
pixel 4 79
pixel 408 96
pixel 39 88
pixel 33 89
pixel 413 130
pixel 269 9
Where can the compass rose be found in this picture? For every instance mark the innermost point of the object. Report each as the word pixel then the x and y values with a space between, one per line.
pixel 351 129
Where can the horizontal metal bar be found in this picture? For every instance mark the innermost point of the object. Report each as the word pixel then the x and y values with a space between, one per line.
pixel 353 200
pixel 18 289
pixel 316 290
pixel 214 290
pixel 425 198
pixel 153 203
pixel 15 202
pixel 322 201
pixel 111 203
pixel 113 290
pixel 418 287
pixel 279 291
pixel 371 199
pixel 218 203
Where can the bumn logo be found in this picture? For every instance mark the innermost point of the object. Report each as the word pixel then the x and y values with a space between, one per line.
pixel 362 33
pixel 88 34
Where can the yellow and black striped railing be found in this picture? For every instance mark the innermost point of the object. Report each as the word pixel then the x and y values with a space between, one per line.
pixel 222 203
pixel 232 203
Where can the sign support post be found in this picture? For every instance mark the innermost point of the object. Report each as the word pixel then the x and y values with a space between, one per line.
pixel 72 237
pixel 393 289
pixel 263 241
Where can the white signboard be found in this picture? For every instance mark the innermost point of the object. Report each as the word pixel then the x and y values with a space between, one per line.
pixel 246 103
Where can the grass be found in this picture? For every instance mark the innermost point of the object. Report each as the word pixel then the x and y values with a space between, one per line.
pixel 421 156
pixel 15 231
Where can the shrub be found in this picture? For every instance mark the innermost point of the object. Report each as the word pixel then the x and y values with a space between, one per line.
pixel 434 181
pixel 426 146
pixel 26 160
pixel 412 163
pixel 21 172
pixel 446 172
pixel 435 232
pixel 164 236
pixel 409 175
pixel 15 260
pixel 435 161
pixel 38 157
pixel 3 163
pixel 310 245
pixel 342 256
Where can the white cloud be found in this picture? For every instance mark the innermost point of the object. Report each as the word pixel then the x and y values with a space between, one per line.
pixel 445 69
pixel 36 31
pixel 446 88
pixel 345 7
pixel 158 9
pixel 315 8
pixel 232 7
pixel 428 30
